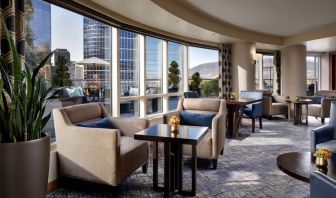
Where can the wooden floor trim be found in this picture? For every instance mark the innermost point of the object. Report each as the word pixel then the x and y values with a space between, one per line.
pixel 52 186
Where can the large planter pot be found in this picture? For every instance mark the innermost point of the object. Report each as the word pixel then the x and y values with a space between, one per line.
pixel 24 168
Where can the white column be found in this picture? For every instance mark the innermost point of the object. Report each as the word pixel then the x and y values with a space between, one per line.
pixel 115 73
pixel 185 72
pixel 293 71
pixel 243 68
pixel 142 74
pixel 165 75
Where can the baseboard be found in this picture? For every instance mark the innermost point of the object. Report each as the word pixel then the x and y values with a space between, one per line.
pixel 52 186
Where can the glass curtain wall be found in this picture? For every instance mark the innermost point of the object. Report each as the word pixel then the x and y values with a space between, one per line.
pixel 175 67
pixel 264 71
pixel 203 71
pixel 81 65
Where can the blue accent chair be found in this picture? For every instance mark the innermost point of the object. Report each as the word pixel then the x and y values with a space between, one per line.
pixel 322 186
pixel 254 110
pixel 325 136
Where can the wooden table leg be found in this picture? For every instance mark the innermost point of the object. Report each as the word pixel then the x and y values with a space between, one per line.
pixel 230 118
pixel 289 112
pixel 179 167
pixel 167 170
pixel 194 167
pixel 296 113
pixel 155 165
pixel 306 114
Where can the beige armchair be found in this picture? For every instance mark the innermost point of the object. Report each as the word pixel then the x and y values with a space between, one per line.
pixel 213 143
pixel 321 110
pixel 274 105
pixel 101 155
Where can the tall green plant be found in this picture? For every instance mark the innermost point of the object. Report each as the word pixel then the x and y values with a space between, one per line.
pixel 23 99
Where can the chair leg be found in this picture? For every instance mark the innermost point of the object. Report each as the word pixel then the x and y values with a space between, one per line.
pixel 214 164
pixel 322 120
pixel 253 124
pixel 260 122
pixel 144 168
pixel 222 152
pixel 270 117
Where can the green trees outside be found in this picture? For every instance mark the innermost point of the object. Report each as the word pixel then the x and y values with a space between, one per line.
pixel 174 77
pixel 195 82
pixel 62 75
pixel 210 87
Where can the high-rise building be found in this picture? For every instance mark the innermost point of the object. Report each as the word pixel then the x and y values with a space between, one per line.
pixel 97 39
pixel 62 52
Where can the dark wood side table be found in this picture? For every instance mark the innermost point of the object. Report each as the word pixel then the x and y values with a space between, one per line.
pixel 235 113
pixel 173 180
pixel 300 164
pixel 298 110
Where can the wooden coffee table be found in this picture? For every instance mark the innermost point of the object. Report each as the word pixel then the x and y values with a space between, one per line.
pixel 300 164
pixel 173 181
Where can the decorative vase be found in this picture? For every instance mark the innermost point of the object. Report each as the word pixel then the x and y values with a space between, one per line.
pixel 174 128
pixel 320 161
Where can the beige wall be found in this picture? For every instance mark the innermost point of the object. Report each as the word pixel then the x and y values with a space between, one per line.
pixel 243 69
pixel 324 72
pixel 293 71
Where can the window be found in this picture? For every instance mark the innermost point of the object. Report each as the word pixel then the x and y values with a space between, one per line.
pixel 175 67
pixel 203 71
pixel 81 65
pixel 264 73
pixel 153 66
pixel 313 68
pixel 129 63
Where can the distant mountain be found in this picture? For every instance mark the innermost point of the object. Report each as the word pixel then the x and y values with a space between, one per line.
pixel 207 70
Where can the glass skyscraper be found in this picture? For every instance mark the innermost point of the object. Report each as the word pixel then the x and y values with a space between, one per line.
pixel 97 39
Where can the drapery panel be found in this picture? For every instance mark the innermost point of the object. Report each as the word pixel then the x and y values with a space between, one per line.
pixel 225 83
pixel 12 13
pixel 277 64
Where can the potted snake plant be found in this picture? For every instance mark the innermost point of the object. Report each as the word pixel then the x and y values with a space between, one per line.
pixel 24 147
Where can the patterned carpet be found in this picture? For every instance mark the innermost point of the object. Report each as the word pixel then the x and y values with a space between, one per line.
pixel 247 168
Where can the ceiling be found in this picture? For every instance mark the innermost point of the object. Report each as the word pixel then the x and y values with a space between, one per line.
pixel 276 17
pixel 269 23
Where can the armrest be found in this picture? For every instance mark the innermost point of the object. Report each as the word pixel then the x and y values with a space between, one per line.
pixel 320 135
pixel 129 126
pixel 325 106
pixel 167 116
pixel 219 129
pixel 81 148
pixel 321 185
pixel 267 105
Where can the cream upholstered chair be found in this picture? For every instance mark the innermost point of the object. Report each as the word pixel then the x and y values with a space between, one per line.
pixel 213 143
pixel 96 154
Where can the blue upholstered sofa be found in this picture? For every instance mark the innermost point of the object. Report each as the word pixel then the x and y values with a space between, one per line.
pixel 255 110
pixel 325 136
pixel 322 186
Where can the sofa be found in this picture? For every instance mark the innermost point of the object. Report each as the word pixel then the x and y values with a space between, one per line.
pixel 322 185
pixel 274 105
pixel 321 106
pixel 102 155
pixel 213 143
pixel 325 136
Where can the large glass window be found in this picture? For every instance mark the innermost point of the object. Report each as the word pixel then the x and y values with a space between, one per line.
pixel 264 74
pixel 175 67
pixel 203 71
pixel 81 65
pixel 153 66
pixel 313 68
pixel 129 63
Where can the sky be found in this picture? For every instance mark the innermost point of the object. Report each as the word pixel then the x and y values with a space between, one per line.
pixel 67 33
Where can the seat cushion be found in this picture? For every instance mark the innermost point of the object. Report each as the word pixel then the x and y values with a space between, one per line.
pixel 279 108
pixel 330 145
pixel 196 119
pixel 204 147
pixel 313 110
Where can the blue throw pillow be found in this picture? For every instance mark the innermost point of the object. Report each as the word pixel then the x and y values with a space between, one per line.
pixel 103 123
pixel 318 99
pixel 196 119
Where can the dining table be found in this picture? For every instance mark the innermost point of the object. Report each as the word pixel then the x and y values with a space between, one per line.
pixel 235 108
